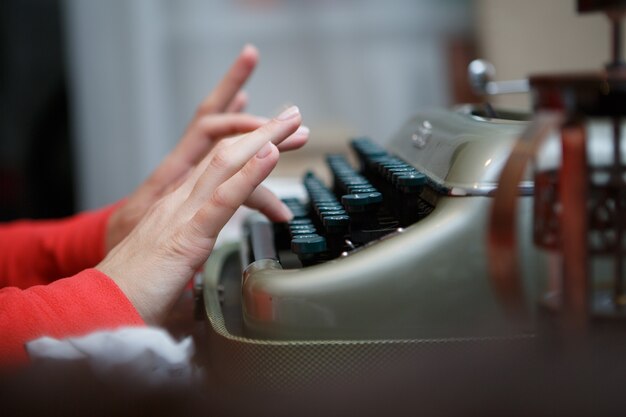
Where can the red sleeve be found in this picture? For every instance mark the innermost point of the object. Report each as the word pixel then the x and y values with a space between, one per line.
pixel 73 306
pixel 34 252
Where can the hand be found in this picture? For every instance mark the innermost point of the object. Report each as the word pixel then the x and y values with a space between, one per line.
pixel 209 125
pixel 175 237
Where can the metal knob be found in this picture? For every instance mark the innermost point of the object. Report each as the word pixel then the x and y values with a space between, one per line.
pixel 481 74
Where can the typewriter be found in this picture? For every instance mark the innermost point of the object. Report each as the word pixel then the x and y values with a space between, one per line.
pixel 394 247
pixel 433 263
pixel 378 266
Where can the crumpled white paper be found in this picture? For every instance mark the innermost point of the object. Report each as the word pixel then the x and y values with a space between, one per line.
pixel 148 355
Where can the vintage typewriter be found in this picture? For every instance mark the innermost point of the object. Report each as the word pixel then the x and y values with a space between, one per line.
pixel 394 247
pixel 437 261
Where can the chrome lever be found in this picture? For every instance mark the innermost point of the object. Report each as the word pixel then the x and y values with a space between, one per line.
pixel 481 74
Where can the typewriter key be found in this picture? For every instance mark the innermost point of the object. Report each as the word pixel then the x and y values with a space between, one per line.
pixel 311 249
pixel 361 202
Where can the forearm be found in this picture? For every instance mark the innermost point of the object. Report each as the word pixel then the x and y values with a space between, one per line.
pixel 74 306
pixel 36 252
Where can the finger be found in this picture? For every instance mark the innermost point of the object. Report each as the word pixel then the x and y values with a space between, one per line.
pixel 235 78
pixel 197 144
pixel 185 189
pixel 295 141
pixel 239 103
pixel 230 195
pixel 178 181
pixel 216 126
pixel 268 203
pixel 301 133
pixel 227 160
pixel 149 193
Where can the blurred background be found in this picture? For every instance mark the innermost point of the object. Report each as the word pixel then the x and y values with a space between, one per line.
pixel 94 93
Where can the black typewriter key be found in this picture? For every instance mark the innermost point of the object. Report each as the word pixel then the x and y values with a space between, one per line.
pixel 345 186
pixel 302 232
pixel 342 168
pixel 358 183
pixel 296 233
pixel 336 228
pixel 316 192
pixel 361 202
pixel 356 186
pixel 392 163
pixel 322 211
pixel 301 227
pixel 297 208
pixel 299 213
pixel 367 146
pixel 363 211
pixel 281 230
pixel 289 201
pixel 308 244
pixel 293 205
pixel 326 197
pixel 407 182
pixel 372 165
pixel 309 248
pixel 327 214
pixel 327 204
pixel 366 155
pixel 391 171
pixel 323 199
pixel 322 208
pixel 409 187
pixel 360 189
pixel 336 221
pixel 413 182
pixel 377 160
pixel 373 152
pixel 295 222
pixel 282 238
pixel 383 170
pixel 354 179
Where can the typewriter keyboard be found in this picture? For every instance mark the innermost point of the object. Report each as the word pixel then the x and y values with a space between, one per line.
pixel 361 206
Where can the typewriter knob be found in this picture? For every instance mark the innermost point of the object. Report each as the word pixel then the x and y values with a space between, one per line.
pixel 481 74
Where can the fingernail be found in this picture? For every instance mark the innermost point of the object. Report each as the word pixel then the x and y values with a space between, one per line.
pixel 302 132
pixel 291 112
pixel 248 48
pixel 286 211
pixel 265 150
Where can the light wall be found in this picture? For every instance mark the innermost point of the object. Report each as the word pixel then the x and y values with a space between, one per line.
pixel 138 69
pixel 539 36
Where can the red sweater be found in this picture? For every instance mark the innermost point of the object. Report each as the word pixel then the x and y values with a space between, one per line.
pixel 35 302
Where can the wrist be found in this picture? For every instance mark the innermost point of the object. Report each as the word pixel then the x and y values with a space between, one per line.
pixel 151 285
